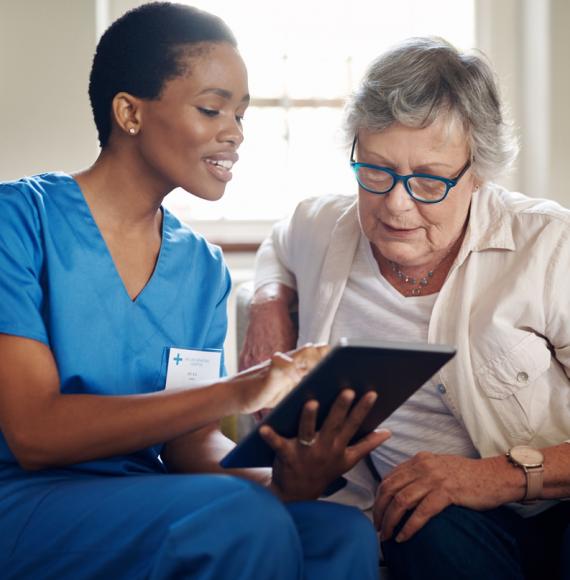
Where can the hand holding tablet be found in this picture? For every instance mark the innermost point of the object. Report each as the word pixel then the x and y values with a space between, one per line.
pixel 310 465
pixel 393 370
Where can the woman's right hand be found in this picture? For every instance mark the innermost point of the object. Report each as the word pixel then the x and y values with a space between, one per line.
pixel 305 465
pixel 264 385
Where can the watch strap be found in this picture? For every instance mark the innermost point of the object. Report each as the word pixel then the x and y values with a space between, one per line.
pixel 534 472
pixel 534 482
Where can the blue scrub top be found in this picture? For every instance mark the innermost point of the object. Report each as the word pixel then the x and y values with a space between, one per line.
pixel 59 285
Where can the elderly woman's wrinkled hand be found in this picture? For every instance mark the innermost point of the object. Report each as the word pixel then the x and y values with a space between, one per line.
pixel 426 484
pixel 305 465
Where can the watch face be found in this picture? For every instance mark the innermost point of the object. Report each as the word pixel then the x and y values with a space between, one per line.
pixel 527 455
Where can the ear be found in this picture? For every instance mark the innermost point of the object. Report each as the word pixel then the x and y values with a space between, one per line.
pixel 126 112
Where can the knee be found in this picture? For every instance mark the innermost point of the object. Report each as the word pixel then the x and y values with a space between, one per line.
pixel 341 525
pixel 232 506
pixel 350 524
pixel 242 532
pixel 260 532
pixel 256 511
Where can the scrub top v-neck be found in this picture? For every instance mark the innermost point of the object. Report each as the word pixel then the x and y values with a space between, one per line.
pixel 59 285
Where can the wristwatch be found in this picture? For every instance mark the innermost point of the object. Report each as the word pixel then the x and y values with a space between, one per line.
pixel 531 461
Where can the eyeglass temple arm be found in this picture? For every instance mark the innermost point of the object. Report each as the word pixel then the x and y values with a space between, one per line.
pixel 353 148
pixel 462 172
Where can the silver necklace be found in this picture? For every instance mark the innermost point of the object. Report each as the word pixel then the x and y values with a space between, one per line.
pixel 418 284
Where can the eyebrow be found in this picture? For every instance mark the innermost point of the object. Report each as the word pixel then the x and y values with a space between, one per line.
pixel 224 94
pixel 423 167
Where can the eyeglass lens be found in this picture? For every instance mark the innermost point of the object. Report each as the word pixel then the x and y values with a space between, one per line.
pixel 380 181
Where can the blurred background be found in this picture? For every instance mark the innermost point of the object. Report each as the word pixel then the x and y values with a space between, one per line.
pixel 303 57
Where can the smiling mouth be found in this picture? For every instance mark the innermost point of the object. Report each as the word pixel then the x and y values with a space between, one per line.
pixel 220 169
pixel 226 164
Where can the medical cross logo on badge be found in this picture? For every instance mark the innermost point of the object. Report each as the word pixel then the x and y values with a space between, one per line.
pixel 196 368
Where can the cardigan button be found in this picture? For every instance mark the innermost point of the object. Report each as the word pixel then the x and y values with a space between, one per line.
pixel 441 388
pixel 522 377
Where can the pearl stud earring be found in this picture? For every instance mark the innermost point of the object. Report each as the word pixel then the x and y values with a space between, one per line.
pixel 132 130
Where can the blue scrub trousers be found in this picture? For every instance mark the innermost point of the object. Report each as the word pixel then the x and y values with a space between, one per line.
pixel 180 526
pixel 499 544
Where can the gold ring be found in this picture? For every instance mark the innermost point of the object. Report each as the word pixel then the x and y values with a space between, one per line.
pixel 306 442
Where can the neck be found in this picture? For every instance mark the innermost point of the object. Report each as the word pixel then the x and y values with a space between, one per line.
pixel 119 196
pixel 419 280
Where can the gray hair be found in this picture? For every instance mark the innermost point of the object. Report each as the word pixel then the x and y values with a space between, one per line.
pixel 422 78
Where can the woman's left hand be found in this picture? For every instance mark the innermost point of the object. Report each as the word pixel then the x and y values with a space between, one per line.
pixel 305 465
pixel 428 483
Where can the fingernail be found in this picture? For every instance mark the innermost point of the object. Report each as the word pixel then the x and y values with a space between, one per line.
pixel 312 405
pixel 400 538
pixel 381 430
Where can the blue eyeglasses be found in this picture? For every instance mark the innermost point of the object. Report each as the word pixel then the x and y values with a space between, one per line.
pixel 421 187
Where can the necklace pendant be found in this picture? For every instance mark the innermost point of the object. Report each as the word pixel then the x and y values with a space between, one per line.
pixel 418 284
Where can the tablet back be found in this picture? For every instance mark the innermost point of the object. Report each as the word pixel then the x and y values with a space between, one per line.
pixel 394 370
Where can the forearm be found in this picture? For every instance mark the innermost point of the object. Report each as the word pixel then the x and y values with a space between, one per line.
pixel 511 480
pixel 71 428
pixel 556 471
pixel 74 428
pixel 201 452
pixel 45 428
pixel 270 328
pixel 274 293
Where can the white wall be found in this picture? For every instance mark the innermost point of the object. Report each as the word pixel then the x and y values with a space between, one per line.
pixel 529 45
pixel 560 101
pixel 46 47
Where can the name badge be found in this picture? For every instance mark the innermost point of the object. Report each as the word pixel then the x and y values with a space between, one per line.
pixel 191 368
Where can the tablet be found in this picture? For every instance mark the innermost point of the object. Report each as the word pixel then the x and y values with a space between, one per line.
pixel 394 370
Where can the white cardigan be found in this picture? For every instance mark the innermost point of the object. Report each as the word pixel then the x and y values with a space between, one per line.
pixel 505 305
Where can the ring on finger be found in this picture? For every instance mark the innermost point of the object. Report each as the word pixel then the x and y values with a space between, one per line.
pixel 307 442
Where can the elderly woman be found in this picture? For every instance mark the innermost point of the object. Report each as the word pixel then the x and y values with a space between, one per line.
pixel 432 250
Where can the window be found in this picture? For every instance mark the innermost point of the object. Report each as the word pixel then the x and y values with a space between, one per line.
pixel 303 59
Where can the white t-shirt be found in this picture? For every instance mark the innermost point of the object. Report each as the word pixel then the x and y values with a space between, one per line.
pixel 371 308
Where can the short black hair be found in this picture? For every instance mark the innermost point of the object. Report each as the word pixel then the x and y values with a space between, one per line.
pixel 142 50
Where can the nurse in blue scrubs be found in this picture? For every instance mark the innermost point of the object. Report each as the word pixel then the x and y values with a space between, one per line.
pixel 104 472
